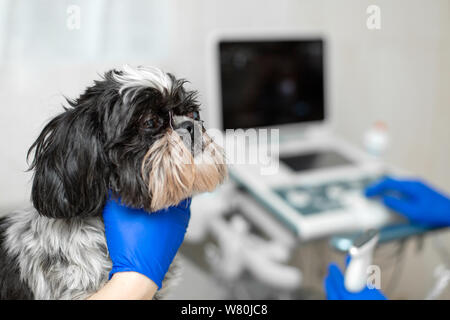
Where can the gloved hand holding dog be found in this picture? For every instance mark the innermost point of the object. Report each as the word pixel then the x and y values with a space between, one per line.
pixel 144 242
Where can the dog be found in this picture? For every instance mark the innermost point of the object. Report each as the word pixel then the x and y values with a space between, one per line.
pixel 135 134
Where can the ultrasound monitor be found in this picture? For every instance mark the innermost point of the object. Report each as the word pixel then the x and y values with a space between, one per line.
pixel 271 83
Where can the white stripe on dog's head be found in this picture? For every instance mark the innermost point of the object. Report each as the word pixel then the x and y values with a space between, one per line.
pixel 135 79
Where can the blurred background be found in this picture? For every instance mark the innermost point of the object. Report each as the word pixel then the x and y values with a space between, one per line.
pixel 398 74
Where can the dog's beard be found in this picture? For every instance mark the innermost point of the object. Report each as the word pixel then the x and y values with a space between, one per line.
pixel 172 173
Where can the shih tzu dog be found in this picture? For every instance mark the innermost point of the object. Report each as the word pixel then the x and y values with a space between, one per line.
pixel 135 134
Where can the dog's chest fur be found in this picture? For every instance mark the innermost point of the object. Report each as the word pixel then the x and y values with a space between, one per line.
pixel 55 258
pixel 46 258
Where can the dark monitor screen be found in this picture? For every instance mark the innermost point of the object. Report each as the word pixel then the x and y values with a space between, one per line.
pixel 315 160
pixel 269 83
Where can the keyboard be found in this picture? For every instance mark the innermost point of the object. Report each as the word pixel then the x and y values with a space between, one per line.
pixel 329 196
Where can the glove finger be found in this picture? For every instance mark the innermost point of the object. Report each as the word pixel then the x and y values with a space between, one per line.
pixel 330 290
pixel 347 259
pixel 335 273
pixel 337 279
pixel 181 216
pixel 182 211
pixel 110 209
pixel 184 204
pixel 389 184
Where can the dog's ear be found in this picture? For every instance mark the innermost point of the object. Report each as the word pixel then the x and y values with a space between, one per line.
pixel 69 166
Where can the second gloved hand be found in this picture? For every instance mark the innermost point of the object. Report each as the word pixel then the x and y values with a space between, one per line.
pixel 144 242
pixel 335 288
pixel 414 199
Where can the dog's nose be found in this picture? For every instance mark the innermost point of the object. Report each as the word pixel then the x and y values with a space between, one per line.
pixel 190 132
pixel 189 127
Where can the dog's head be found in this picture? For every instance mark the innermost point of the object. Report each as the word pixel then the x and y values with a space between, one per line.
pixel 135 134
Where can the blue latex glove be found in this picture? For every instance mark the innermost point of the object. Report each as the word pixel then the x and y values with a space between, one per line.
pixel 144 242
pixel 414 199
pixel 335 288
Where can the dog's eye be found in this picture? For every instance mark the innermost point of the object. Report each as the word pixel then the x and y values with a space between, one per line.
pixel 151 123
pixel 194 115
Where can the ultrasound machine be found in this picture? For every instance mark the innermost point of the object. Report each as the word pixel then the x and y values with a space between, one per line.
pixel 279 82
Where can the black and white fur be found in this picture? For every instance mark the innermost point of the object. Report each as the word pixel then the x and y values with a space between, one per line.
pixel 135 134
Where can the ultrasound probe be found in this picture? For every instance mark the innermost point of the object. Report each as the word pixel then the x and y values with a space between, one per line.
pixel 361 254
